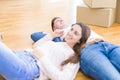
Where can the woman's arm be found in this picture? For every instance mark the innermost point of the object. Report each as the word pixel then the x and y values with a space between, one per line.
pixel 68 71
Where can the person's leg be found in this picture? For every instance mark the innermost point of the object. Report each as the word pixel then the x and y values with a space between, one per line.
pixel 94 63
pixel 113 53
pixel 11 66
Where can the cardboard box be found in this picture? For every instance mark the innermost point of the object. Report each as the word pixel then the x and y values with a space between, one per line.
pixel 101 3
pixel 100 17
pixel 118 12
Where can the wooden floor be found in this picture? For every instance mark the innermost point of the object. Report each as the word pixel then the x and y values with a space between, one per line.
pixel 20 18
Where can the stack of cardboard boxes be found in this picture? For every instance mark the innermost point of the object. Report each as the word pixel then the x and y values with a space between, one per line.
pixel 97 12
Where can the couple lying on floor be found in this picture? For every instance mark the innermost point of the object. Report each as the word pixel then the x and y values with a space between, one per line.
pixel 58 56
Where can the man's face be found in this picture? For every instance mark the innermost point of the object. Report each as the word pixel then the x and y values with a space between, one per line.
pixel 59 24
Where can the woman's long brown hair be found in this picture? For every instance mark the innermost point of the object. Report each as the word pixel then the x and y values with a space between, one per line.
pixel 78 46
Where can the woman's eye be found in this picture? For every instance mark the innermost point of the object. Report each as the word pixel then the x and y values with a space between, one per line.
pixel 71 29
pixel 76 33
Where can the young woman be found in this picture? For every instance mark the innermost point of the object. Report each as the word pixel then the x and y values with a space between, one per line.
pixel 100 59
pixel 49 60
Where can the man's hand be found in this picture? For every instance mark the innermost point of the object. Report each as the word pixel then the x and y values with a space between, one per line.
pixel 58 33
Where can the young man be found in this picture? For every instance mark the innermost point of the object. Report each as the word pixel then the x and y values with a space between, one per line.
pixel 56 23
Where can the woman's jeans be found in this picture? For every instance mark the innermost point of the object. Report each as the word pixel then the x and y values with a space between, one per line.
pixel 17 65
pixel 101 61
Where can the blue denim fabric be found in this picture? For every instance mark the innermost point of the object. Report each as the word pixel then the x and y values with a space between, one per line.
pixel 101 61
pixel 57 39
pixel 38 35
pixel 17 65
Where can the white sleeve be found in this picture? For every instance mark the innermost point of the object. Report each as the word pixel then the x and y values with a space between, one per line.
pixel 68 72
pixel 42 40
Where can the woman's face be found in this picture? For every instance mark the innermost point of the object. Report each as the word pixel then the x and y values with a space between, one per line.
pixel 59 24
pixel 74 35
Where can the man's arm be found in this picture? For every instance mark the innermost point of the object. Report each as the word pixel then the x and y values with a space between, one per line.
pixel 37 35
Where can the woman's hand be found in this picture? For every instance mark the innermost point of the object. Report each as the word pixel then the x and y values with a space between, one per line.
pixel 58 33
pixel 37 53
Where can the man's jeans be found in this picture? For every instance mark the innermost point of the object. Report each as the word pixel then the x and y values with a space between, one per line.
pixel 101 61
